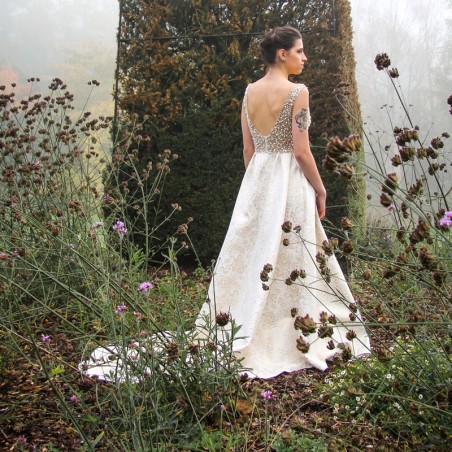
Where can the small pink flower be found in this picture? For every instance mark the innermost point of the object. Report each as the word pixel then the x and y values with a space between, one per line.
pixel 15 254
pixel 3 256
pixel 446 221
pixel 145 287
pixel 267 395
pixel 119 227
pixel 45 338
pixel 74 398
pixel 133 344
pixel 120 309
pixel 391 207
pixel 222 407
pixel 137 314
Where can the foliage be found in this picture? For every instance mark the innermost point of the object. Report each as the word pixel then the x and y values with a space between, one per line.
pixel 407 391
pixel 403 270
pixel 187 64
pixel 71 280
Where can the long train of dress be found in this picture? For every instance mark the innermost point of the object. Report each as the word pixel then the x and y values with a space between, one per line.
pixel 274 190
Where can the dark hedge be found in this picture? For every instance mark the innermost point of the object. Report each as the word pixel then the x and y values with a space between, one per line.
pixel 186 64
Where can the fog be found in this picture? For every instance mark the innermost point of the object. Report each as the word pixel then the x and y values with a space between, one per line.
pixel 76 41
pixel 416 34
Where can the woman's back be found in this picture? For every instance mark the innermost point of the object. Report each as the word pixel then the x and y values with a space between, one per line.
pixel 265 101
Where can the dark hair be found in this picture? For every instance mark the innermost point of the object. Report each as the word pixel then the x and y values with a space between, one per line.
pixel 275 39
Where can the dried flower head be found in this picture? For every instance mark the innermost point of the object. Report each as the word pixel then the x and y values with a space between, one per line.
pixel 393 73
pixel 172 350
pixel 182 229
pixel 427 258
pixel 306 324
pixel 346 224
pixel 382 61
pixel 347 247
pixel 390 184
pixel 323 316
pixel 222 318
pixel 287 226
pixel 350 335
pixel 302 345
pixel 325 331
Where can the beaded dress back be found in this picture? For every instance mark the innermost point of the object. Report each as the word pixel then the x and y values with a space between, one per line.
pixel 280 138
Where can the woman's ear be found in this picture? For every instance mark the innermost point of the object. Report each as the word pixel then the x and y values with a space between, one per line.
pixel 282 55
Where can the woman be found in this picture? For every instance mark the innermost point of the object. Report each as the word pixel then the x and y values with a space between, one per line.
pixel 281 185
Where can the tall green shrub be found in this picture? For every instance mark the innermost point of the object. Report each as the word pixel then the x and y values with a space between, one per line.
pixel 186 64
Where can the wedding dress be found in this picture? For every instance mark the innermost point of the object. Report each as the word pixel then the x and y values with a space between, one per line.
pixel 274 190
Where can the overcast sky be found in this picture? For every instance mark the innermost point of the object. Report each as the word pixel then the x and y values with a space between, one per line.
pixel 76 41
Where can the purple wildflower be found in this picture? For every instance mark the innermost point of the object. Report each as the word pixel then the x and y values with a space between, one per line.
pixel 222 407
pixel 137 314
pixel 267 395
pixel 145 287
pixel 119 227
pixel 45 338
pixel 74 398
pixel 120 309
pixel 391 207
pixel 446 221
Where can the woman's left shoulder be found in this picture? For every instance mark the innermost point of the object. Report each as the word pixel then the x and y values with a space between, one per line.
pixel 301 87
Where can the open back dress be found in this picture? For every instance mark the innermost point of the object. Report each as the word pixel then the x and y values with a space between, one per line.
pixel 274 190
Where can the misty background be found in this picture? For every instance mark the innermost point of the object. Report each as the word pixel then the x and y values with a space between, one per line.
pixel 75 40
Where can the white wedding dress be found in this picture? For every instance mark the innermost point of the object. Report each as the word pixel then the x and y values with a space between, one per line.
pixel 274 190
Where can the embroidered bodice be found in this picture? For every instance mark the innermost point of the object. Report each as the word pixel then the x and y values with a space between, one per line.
pixel 279 140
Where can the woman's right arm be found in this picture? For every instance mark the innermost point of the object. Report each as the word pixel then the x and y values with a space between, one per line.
pixel 302 149
pixel 248 144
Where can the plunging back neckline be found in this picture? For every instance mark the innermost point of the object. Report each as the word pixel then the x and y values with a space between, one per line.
pixel 277 117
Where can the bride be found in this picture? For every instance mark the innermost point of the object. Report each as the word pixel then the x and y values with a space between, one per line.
pixel 275 231
pixel 276 275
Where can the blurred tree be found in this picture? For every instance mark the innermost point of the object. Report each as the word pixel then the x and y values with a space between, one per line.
pixel 186 64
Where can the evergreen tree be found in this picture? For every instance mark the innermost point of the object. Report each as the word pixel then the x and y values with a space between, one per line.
pixel 186 65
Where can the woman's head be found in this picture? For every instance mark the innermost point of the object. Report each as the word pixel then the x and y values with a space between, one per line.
pixel 276 39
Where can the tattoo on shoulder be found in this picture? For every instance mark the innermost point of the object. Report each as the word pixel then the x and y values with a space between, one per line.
pixel 302 120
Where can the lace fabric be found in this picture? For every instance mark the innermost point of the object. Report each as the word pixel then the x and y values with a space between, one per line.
pixel 275 190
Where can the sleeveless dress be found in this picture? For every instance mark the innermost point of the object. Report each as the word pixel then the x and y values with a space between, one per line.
pixel 274 190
